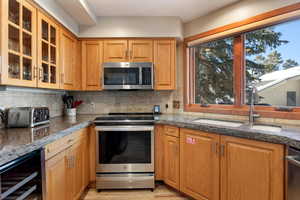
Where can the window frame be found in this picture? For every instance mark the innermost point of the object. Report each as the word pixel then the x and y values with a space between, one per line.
pixel 239 77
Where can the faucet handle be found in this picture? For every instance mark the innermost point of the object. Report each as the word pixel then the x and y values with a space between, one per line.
pixel 256 115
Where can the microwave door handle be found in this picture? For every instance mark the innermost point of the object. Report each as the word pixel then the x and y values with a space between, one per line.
pixel 125 128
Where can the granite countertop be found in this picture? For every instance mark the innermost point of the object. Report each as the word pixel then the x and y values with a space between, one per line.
pixel 289 135
pixel 20 141
pixel 16 142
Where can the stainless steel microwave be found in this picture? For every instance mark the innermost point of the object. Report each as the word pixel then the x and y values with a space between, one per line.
pixel 128 76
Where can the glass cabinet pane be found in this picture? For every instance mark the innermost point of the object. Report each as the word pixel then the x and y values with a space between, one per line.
pixel 45 52
pixel 45 30
pixel 53 54
pixel 27 19
pixel 53 74
pixel 14 12
pixel 13 38
pixel 53 35
pixel 14 66
pixel 45 77
pixel 26 44
pixel 27 69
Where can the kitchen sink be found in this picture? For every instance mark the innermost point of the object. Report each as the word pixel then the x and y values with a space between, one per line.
pixel 266 128
pixel 218 122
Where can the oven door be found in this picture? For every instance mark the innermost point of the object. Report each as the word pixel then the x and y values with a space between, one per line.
pixel 125 149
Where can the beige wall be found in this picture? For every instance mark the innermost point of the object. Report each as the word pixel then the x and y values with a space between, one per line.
pixel 134 27
pixel 233 13
pixel 59 14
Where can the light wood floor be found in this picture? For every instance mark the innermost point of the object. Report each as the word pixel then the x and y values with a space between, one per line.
pixel 161 192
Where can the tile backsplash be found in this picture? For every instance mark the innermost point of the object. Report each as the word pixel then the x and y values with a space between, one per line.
pixel 18 98
pixel 123 101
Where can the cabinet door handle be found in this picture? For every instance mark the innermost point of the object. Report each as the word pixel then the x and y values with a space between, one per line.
pixel 62 78
pixel 35 72
pixel 40 73
pixel 69 162
pixel 73 161
pixel 215 147
pixel 222 150
pixel 131 54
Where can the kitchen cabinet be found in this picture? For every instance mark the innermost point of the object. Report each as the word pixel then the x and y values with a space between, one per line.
pixel 68 45
pixel 171 164
pixel 48 55
pixel 199 164
pixel 115 51
pixel 18 43
pixel 216 167
pixel 75 171
pixel 67 166
pixel 85 161
pixel 138 50
pixel 165 64
pixel 251 169
pixel 159 152
pixel 92 59
pixel 56 177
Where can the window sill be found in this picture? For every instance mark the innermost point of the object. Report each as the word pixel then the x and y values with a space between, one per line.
pixel 263 111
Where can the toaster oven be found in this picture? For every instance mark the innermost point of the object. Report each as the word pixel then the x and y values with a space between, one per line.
pixel 27 117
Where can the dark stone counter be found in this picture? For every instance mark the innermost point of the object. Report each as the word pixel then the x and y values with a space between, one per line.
pixel 18 142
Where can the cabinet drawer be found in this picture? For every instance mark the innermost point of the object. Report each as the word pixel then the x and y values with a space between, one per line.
pixel 172 131
pixel 63 143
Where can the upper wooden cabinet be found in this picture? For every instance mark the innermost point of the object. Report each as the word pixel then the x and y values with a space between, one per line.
pixel 199 164
pixel 251 169
pixel 18 43
pixel 165 64
pixel 68 45
pixel 115 51
pixel 48 55
pixel 139 50
pixel 92 59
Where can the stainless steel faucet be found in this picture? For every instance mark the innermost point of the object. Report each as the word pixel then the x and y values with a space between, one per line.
pixel 252 114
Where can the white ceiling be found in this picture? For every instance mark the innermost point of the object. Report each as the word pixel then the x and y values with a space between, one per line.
pixel 185 9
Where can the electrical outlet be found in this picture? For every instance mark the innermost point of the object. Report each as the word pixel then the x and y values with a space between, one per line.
pixel 176 104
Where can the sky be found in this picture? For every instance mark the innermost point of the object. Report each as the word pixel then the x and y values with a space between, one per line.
pixel 290 32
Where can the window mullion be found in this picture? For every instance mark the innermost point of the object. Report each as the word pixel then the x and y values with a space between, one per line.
pixel 239 70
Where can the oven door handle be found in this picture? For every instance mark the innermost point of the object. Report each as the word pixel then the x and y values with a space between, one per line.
pixel 124 128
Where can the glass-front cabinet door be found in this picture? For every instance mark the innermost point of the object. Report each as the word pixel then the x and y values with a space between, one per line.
pixel 47 53
pixel 18 43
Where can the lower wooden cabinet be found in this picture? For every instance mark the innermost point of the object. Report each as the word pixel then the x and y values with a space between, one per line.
pixel 171 165
pixel 56 177
pixel 67 173
pixel 215 167
pixel 159 153
pixel 251 170
pixel 199 164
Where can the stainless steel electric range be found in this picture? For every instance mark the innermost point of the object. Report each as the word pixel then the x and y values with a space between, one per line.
pixel 125 151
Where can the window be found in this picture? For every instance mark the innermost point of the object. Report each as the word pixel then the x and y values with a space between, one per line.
pixel 214 72
pixel 224 65
pixel 272 63
pixel 291 98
